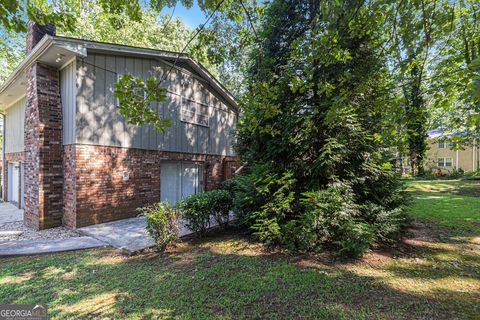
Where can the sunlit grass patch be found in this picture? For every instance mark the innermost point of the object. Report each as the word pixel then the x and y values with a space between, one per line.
pixel 447 208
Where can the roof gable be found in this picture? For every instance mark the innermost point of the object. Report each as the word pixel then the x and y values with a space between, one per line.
pixel 50 49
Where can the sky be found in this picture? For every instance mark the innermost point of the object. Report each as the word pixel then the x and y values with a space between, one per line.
pixel 192 17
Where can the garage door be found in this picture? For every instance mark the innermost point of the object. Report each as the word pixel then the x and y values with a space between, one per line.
pixel 13 182
pixel 179 180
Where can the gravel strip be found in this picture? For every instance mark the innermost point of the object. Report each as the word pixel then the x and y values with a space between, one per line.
pixel 32 234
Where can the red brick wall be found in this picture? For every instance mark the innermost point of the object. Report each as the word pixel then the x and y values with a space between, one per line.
pixel 43 149
pixel 69 186
pixel 11 157
pixel 102 195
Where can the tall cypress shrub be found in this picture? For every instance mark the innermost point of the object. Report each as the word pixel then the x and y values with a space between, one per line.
pixel 314 117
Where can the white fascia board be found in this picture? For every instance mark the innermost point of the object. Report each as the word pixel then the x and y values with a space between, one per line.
pixel 43 45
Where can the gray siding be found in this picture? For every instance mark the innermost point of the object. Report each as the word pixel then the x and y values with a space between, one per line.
pixel 14 126
pixel 98 121
pixel 68 93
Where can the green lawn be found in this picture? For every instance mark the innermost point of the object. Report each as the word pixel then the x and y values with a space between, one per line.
pixel 454 204
pixel 433 274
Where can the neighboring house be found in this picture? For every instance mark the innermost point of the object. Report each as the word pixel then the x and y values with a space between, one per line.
pixel 441 155
pixel 71 158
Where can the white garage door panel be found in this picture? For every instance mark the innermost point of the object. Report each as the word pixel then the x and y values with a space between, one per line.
pixel 179 180
pixel 190 180
pixel 22 185
pixel 170 182
pixel 13 183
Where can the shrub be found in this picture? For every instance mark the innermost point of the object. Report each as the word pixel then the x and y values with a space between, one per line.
pixel 353 238
pixel 247 195
pixel 198 209
pixel 331 207
pixel 326 213
pixel 473 175
pixel 387 223
pixel 265 202
pixel 332 218
pixel 348 215
pixel 457 174
pixel 162 223
pixel 196 212
pixel 220 205
pixel 301 235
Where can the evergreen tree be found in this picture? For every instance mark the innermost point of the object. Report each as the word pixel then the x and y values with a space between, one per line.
pixel 316 114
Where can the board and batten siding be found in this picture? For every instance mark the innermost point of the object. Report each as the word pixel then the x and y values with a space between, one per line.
pixel 68 88
pixel 99 122
pixel 14 127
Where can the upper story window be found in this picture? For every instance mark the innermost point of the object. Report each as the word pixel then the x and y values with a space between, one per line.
pixel 445 144
pixel 194 112
pixel 444 162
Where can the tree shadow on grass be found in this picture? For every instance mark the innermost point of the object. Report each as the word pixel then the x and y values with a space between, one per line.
pixel 219 277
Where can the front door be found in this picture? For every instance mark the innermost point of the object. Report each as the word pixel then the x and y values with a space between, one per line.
pixel 179 180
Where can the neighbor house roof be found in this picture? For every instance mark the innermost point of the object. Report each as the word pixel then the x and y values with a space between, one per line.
pixel 59 51
pixel 438 133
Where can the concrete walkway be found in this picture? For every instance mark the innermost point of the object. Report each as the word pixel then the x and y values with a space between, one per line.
pixel 126 234
pixel 31 247
pixel 10 213
pixel 129 235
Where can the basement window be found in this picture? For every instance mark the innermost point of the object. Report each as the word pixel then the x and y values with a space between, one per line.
pixel 194 112
pixel 444 162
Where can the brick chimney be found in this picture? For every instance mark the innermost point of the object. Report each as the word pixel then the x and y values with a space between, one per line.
pixel 43 207
pixel 36 32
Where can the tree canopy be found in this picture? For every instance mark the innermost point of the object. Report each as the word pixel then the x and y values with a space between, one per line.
pixel 431 50
pixel 332 95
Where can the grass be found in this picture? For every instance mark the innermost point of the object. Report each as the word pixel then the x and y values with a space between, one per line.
pixel 433 274
pixel 452 204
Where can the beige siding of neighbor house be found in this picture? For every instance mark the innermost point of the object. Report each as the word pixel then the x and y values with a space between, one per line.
pixel 98 121
pixel 467 159
pixel 14 126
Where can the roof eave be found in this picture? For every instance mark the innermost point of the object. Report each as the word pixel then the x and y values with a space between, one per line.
pixel 43 45
pixel 147 52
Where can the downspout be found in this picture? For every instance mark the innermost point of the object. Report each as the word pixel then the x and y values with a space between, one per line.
pixel 456 166
pixel 476 153
pixel 473 155
pixel 3 156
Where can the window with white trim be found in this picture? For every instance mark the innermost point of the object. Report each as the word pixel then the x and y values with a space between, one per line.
pixel 194 112
pixel 444 162
pixel 444 144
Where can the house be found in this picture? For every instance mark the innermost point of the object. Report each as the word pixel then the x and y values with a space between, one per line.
pixel 71 159
pixel 442 155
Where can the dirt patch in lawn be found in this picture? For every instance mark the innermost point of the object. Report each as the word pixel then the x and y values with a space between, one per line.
pixel 415 235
